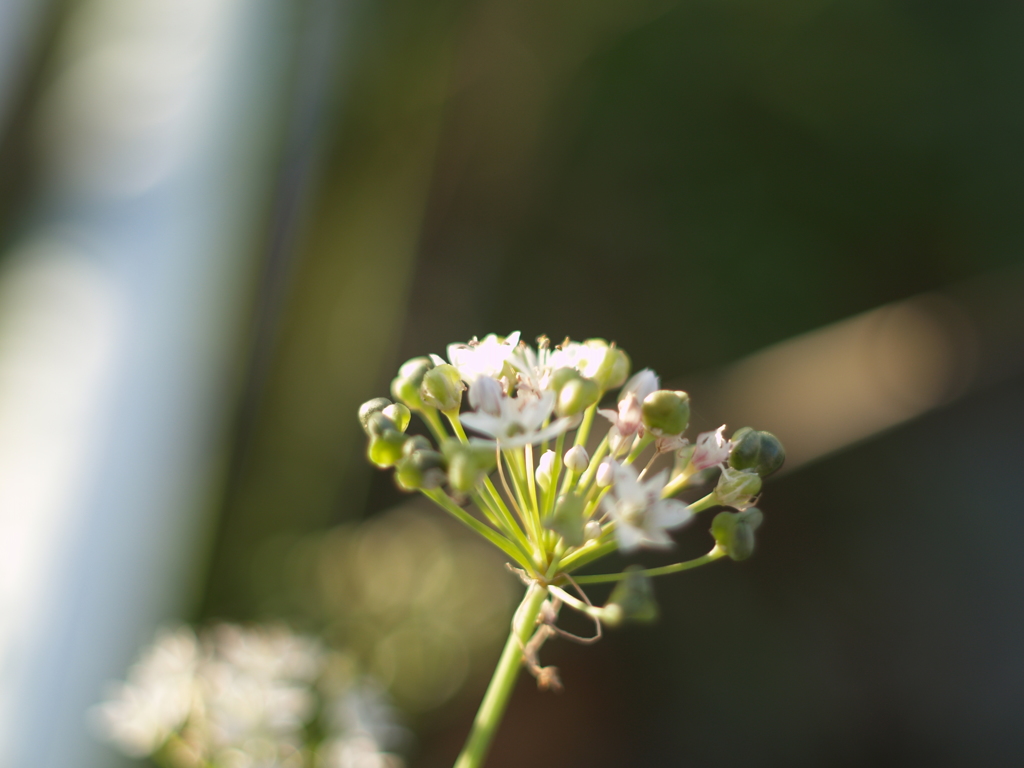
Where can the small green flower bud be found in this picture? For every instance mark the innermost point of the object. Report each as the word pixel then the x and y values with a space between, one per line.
pixel 567 519
pixel 666 413
pixel 406 386
pixel 634 595
pixel 416 443
pixel 576 459
pixel 563 376
pixel 420 469
pixel 399 414
pixel 760 451
pixel 442 388
pixel 737 487
pixel 734 532
pixel 377 423
pixel 386 448
pixel 592 530
pixel 577 395
pixel 370 407
pixel 467 464
pixel 614 369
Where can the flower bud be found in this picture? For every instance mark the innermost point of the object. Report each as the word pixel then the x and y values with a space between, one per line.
pixel 759 451
pixel 577 395
pixel 567 519
pixel 467 464
pixel 614 368
pixel 386 448
pixel 442 388
pixel 737 487
pixel 734 532
pixel 377 423
pixel 576 459
pixel 592 530
pixel 406 386
pixel 370 407
pixel 416 443
pixel 399 414
pixel 634 596
pixel 562 376
pixel 485 394
pixel 605 474
pixel 545 469
pixel 420 469
pixel 666 413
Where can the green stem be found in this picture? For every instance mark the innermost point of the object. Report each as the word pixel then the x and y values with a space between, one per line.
pixel 584 431
pixel 442 499
pixel 492 708
pixel 710 557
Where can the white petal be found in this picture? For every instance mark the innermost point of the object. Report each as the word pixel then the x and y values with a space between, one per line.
pixel 670 513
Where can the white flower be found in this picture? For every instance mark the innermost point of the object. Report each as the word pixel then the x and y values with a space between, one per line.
pixel 628 417
pixel 520 421
pixel 641 516
pixel 711 449
pixel 483 358
pixel 485 394
pixel 535 367
pixel 157 698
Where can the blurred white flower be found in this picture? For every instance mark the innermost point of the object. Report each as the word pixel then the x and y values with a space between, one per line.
pixel 245 697
pixel 157 698
pixel 641 516
pixel 520 421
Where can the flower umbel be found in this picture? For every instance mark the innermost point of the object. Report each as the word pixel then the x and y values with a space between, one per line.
pixel 554 500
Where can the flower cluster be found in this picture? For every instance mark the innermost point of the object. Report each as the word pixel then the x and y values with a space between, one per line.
pixel 257 697
pixel 542 490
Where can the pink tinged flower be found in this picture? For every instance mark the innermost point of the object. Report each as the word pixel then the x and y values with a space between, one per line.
pixel 626 420
pixel 483 358
pixel 641 385
pixel 711 449
pixel 520 421
pixel 642 518
pixel 486 394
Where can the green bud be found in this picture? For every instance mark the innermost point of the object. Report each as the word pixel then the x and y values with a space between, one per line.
pixel 634 596
pixel 467 464
pixel 416 443
pixel 576 396
pixel 370 407
pixel 563 376
pixel 377 423
pixel 760 451
pixel 442 388
pixel 734 532
pixel 737 487
pixel 386 448
pixel 666 413
pixel 614 369
pixel 420 469
pixel 399 414
pixel 567 519
pixel 406 386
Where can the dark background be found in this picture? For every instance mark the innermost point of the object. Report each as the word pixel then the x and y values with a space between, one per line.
pixel 697 181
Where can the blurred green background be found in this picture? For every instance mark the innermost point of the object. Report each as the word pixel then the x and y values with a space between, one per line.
pixel 697 181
